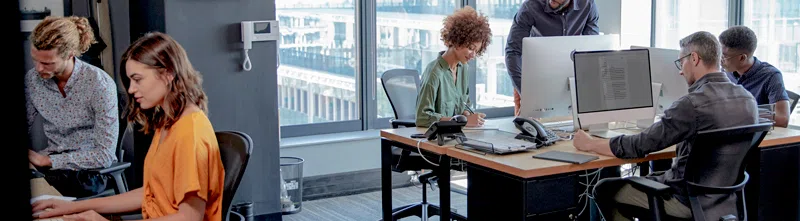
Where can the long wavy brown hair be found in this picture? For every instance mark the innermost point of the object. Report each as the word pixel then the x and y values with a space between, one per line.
pixel 160 51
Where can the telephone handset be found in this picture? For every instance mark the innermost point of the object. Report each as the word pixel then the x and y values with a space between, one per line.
pixel 533 131
pixel 444 129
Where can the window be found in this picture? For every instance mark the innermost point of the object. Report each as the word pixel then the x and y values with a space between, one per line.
pixel 676 19
pixel 317 75
pixel 777 25
pixel 407 38
pixel 493 86
pixel 635 23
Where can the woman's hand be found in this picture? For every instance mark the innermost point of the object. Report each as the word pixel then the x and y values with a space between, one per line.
pixel 90 215
pixel 53 207
pixel 475 120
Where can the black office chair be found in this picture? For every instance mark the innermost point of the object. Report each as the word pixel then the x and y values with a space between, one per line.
pixel 793 98
pixel 716 155
pixel 114 172
pixel 235 149
pixel 401 87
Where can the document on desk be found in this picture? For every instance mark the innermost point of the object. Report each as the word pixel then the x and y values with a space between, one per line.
pixel 495 141
pixel 481 128
pixel 614 74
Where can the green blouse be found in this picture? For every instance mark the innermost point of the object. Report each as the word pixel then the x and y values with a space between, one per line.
pixel 439 95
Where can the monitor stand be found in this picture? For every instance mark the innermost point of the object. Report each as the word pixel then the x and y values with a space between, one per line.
pixel 602 131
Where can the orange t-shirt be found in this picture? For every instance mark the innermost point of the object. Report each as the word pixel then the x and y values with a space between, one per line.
pixel 187 163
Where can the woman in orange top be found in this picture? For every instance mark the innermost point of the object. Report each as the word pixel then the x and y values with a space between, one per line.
pixel 183 174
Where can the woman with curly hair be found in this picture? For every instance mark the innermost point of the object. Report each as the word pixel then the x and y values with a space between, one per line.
pixel 444 92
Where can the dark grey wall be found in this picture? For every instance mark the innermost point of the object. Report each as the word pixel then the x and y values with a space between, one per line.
pixel 238 100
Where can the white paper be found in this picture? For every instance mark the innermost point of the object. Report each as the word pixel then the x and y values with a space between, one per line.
pixel 614 74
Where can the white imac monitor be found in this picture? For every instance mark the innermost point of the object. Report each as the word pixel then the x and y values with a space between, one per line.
pixel 663 70
pixel 612 86
pixel 546 66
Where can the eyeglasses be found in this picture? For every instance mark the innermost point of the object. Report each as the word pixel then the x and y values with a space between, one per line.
pixel 678 62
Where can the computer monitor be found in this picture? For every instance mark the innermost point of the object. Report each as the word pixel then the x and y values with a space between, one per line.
pixel 546 66
pixel 663 70
pixel 613 86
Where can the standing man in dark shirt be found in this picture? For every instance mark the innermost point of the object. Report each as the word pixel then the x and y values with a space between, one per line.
pixel 713 102
pixel 537 18
pixel 763 80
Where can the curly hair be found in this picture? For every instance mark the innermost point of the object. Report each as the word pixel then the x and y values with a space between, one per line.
pixel 161 51
pixel 739 38
pixel 465 27
pixel 70 36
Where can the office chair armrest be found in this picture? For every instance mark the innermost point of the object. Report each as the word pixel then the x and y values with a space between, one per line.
pixel 648 186
pixel 405 123
pixel 237 214
pixel 114 168
pixel 696 189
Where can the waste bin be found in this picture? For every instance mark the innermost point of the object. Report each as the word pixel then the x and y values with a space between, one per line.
pixel 245 209
pixel 291 184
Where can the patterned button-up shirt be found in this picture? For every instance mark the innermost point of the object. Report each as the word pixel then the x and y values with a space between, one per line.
pixel 81 128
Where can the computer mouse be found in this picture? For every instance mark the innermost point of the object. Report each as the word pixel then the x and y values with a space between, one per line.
pixel 459 118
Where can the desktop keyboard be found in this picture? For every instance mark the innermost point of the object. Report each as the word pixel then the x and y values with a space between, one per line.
pixel 558 124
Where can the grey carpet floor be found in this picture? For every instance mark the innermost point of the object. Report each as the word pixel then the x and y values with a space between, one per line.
pixel 367 206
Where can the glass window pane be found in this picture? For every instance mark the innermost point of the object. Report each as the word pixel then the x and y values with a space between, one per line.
pixel 635 18
pixel 777 25
pixel 676 19
pixel 493 86
pixel 317 55
pixel 407 38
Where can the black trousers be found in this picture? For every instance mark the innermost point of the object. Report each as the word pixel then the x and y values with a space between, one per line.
pixel 76 183
pixel 618 200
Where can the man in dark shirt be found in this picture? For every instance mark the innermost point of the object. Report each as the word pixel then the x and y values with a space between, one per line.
pixel 537 18
pixel 713 102
pixel 763 80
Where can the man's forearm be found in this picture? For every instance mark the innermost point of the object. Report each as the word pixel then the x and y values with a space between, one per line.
pixel 82 159
pixel 514 68
pixel 781 120
pixel 782 113
pixel 602 147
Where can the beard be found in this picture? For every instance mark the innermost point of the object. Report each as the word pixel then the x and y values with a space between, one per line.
pixel 561 6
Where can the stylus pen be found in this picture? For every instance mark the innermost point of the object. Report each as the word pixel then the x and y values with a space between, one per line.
pixel 468 109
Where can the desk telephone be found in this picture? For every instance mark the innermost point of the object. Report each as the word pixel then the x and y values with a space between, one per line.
pixel 533 131
pixel 444 129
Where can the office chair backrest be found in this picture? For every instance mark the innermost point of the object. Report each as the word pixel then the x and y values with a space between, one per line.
pixel 793 100
pixel 401 87
pixel 718 157
pixel 235 149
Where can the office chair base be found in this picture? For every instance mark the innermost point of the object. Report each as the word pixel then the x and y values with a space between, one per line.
pixel 424 211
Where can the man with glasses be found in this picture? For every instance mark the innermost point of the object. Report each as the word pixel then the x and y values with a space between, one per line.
pixel 537 18
pixel 713 102
pixel 763 80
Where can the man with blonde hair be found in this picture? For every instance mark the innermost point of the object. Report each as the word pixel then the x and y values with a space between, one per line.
pixel 76 104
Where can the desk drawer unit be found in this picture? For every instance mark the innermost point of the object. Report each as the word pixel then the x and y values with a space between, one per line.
pixel 493 195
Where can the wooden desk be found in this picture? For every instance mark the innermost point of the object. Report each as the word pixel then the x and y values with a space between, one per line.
pixel 524 166
pixel 488 171
pixel 402 138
